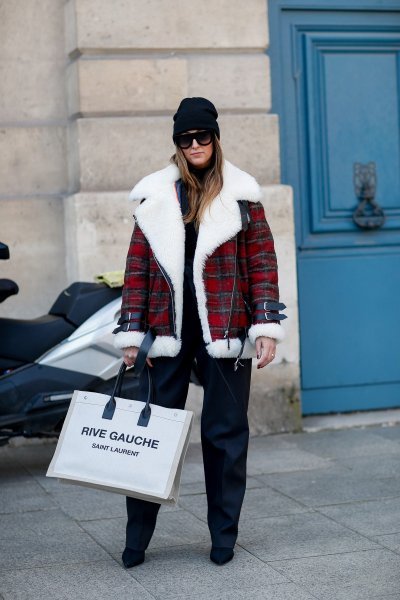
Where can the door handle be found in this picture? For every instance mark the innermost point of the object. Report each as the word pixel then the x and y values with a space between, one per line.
pixel 368 214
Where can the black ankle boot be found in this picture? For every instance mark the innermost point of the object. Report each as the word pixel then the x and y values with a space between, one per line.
pixel 131 557
pixel 221 555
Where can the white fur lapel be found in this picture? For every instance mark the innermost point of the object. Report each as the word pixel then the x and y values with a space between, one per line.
pixel 160 219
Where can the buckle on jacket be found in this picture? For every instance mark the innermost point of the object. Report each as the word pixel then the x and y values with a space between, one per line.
pixel 274 306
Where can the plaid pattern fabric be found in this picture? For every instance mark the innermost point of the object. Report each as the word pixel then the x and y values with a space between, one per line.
pixel 256 277
pixel 146 298
pixel 145 294
pixel 258 264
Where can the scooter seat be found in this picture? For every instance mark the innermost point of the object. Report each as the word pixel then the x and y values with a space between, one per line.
pixel 26 340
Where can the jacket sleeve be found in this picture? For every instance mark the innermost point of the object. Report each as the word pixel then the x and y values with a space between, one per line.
pixel 263 277
pixel 135 293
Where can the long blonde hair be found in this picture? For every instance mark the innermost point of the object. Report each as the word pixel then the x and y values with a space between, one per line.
pixel 200 193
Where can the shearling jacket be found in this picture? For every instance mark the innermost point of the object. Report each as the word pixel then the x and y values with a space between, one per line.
pixel 234 269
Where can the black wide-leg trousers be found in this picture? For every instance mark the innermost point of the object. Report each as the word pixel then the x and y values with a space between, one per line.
pixel 224 429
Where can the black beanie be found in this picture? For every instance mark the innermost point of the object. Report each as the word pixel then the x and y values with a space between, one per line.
pixel 195 113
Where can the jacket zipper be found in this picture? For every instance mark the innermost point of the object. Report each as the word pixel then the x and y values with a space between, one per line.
pixel 226 335
pixel 167 279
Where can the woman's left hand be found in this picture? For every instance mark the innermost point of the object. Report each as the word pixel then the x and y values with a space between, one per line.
pixel 266 348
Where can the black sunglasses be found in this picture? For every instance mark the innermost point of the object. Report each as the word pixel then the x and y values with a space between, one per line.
pixel 185 140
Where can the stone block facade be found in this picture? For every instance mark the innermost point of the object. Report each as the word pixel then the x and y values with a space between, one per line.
pixel 89 91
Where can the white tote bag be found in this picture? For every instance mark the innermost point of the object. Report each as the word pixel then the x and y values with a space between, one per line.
pixel 124 446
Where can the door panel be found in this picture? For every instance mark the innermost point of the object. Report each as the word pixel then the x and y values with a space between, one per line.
pixel 351 87
pixel 355 338
pixel 337 76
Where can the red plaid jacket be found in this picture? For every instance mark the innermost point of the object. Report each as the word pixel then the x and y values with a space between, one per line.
pixel 235 269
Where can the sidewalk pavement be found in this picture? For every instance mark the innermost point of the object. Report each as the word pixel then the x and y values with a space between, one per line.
pixel 321 519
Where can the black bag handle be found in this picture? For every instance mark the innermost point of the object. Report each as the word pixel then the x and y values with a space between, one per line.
pixel 138 367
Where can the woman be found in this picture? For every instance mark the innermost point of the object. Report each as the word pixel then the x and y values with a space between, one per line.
pixel 201 271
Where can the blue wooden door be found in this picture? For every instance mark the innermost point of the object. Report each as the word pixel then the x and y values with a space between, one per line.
pixel 336 88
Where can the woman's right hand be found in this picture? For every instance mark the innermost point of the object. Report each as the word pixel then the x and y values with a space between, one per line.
pixel 130 354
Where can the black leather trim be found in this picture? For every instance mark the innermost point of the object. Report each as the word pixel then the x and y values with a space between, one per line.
pixel 268 311
pixel 128 316
pixel 129 326
pixel 244 213
pixel 272 316
pixel 269 306
pixel 265 320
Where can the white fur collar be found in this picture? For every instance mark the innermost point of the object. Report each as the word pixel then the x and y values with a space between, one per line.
pixel 160 219
pixel 236 183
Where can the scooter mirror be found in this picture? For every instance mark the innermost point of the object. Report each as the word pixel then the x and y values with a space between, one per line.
pixel 4 252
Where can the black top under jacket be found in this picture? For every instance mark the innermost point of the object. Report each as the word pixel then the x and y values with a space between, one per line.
pixel 190 230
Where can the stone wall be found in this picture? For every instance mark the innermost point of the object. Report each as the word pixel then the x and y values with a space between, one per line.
pixel 33 168
pixel 85 120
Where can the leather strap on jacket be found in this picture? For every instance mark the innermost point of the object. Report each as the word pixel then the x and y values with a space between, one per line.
pixel 270 310
pixel 130 321
pixel 244 213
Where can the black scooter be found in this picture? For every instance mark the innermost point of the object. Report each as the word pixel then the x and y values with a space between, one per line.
pixel 43 360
